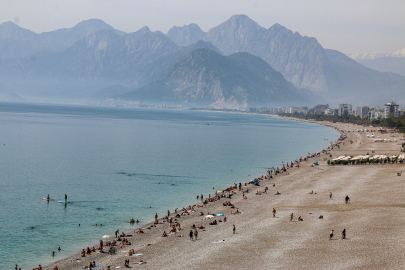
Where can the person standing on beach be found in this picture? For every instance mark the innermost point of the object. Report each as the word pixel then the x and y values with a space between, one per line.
pixel 191 235
pixel 347 199
pixel 195 234
pixel 156 217
pixel 331 235
pixel 274 212
pixel 292 216
pixel 344 234
pixel 234 229
pixel 330 195
pixel 101 244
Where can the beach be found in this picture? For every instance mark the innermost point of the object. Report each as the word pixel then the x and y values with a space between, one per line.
pixel 373 220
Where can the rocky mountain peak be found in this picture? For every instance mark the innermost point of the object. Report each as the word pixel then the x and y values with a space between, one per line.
pixel 90 26
pixel 144 30
pixel 10 30
pixel 185 35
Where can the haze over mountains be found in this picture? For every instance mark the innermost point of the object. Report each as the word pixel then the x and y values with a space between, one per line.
pixel 206 78
pixel 80 61
pixel 384 62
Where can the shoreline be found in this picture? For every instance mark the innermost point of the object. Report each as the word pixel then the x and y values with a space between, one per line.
pixel 148 224
pixel 165 252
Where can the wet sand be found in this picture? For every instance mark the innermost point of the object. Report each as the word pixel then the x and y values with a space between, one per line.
pixel 373 221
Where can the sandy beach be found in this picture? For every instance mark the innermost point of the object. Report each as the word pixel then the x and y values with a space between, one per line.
pixel 373 220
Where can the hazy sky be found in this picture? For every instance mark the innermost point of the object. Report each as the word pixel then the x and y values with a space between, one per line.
pixel 346 25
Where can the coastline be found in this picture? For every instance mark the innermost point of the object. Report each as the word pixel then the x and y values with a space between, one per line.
pixel 253 224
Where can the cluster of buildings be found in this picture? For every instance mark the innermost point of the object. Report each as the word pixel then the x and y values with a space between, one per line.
pixel 364 112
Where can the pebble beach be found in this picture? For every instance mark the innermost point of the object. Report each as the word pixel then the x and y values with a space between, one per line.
pixel 373 220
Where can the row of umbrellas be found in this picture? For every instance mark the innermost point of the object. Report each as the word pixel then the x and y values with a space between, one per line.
pixel 367 157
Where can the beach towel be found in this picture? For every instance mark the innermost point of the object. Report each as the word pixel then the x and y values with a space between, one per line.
pixel 218 241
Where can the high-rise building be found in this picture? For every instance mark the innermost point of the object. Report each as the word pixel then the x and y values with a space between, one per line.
pixel 391 107
pixel 344 108
pixel 361 112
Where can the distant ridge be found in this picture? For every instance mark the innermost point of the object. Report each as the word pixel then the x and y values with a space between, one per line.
pixel 17 42
pixel 206 78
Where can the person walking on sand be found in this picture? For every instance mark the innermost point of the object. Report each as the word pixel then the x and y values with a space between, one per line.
pixel 234 229
pixel 292 216
pixel 195 234
pixel 191 235
pixel 331 235
pixel 274 212
pixel 330 195
pixel 347 199
pixel 344 234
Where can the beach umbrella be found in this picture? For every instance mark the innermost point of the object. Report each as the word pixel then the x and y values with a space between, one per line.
pixel 209 216
pixel 221 215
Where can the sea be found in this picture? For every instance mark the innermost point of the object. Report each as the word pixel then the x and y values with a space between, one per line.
pixel 116 163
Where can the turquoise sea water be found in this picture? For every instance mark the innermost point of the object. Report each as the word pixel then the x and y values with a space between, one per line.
pixel 123 161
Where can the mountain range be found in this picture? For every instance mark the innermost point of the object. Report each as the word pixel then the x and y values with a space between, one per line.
pixel 207 78
pixel 384 62
pixel 91 56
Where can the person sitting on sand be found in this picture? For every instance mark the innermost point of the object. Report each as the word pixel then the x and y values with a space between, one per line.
pixel 164 234
pixel 93 249
pixel 213 223
pixel 278 193
pixel 236 212
pixel 312 192
pixel 321 217
pixel 201 213
pixel 300 219
pixel 90 266
pixel 55 268
pixel 140 231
